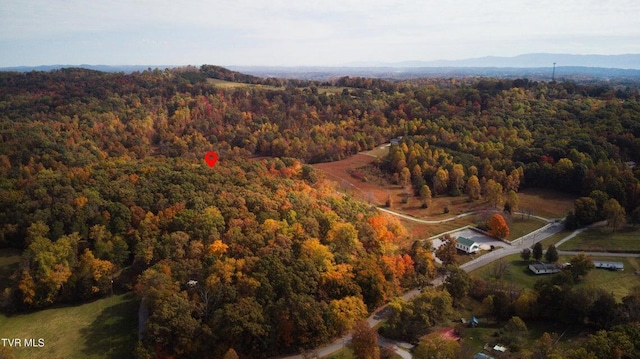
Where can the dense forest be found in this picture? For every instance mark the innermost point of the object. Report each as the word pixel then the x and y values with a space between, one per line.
pixel 103 186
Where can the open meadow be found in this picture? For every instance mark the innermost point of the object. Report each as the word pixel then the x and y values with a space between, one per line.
pixel 104 328
pixel 605 240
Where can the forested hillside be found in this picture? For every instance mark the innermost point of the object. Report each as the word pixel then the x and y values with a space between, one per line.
pixel 104 187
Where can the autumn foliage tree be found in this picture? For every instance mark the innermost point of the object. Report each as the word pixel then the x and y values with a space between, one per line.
pixel 365 341
pixel 447 252
pixel 498 226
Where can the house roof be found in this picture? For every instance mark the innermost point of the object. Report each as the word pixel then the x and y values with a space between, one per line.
pixel 544 266
pixel 482 356
pixel 465 241
pixel 606 264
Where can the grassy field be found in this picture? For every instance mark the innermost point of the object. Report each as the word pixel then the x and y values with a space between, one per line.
pixel 555 239
pixel 521 226
pixel 618 283
pixel 518 273
pixel 232 85
pixel 9 261
pixel 603 239
pixel 105 328
pixel 545 203
pixel 378 152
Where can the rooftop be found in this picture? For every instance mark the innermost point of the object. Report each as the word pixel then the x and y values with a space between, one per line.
pixel 465 241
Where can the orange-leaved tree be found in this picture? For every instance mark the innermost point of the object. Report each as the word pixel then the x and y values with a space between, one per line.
pixel 498 226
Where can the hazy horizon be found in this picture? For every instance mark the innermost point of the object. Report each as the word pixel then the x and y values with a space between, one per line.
pixel 312 33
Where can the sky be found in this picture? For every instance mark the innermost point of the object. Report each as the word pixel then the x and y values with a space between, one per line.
pixel 307 32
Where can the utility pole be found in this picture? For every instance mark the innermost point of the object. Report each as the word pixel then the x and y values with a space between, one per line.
pixel 553 76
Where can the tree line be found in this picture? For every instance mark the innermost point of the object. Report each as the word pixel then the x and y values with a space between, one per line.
pixel 103 188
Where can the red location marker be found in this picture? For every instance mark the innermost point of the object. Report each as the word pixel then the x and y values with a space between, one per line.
pixel 211 158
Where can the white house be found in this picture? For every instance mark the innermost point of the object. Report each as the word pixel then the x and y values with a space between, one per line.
pixel 608 265
pixel 544 268
pixel 467 245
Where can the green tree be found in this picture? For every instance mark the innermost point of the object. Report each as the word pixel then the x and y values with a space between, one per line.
pixel 609 344
pixel 346 311
pixel 425 196
pixel 440 181
pixel 457 283
pixel 525 254
pixel 512 203
pixel 473 188
pixel 635 216
pixel 493 193
pixel 585 211
pixel 456 179
pixel 551 255
pixel 447 251
pixel 537 251
pixel 603 311
pixel 581 264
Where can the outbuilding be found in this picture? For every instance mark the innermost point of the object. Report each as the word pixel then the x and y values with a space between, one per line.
pixel 467 245
pixel 544 268
pixel 608 265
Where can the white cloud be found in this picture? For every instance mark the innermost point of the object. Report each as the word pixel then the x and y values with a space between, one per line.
pixel 311 32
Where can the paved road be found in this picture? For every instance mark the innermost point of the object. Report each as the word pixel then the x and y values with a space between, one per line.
pixel 578 231
pixel 398 348
pixel 526 241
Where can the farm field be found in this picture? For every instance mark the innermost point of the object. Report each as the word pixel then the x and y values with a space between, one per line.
pixel 105 328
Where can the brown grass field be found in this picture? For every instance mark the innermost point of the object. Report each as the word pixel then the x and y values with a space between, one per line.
pixel 376 189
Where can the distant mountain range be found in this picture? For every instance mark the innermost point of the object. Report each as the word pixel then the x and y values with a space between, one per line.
pixel 535 66
pixel 627 61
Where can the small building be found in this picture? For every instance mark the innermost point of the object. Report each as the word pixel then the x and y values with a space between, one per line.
pixel 544 268
pixel 500 348
pixel 473 322
pixel 608 265
pixel 396 141
pixel 467 245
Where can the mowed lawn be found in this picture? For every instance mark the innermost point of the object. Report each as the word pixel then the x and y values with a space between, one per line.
pixel 619 283
pixel 604 239
pixel 517 273
pixel 522 226
pixel 105 328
